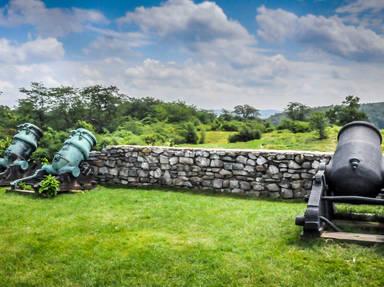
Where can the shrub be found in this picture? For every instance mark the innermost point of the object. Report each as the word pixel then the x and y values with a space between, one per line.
pixel 49 186
pixel 294 126
pixel 245 134
pixel 202 136
pixel 40 155
pixel 24 186
pixel 231 126
pixel 189 134
pixel 319 122
pixel 4 144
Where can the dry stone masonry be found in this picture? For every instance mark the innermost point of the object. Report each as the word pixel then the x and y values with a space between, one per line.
pixel 275 174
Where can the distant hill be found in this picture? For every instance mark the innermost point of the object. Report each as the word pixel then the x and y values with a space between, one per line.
pixel 374 111
pixel 264 114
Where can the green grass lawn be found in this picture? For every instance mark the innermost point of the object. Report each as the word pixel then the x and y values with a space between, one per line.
pixel 149 237
pixel 280 140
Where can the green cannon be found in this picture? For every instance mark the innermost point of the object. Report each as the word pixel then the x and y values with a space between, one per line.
pixel 66 164
pixel 15 163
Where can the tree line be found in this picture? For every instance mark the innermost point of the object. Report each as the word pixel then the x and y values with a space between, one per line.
pixel 116 118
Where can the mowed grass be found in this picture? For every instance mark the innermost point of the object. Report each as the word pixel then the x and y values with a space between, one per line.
pixel 150 237
pixel 277 140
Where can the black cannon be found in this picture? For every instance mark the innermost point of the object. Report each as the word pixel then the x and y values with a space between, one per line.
pixel 354 175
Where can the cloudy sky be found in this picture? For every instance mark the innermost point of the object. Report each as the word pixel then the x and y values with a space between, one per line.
pixel 212 54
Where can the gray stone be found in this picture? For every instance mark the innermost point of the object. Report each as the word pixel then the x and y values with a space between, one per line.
pixel 103 170
pixel 272 170
pixel 241 159
pixel 315 164
pixel 217 163
pixel 225 172
pixel 237 166
pixel 293 165
pixel 145 165
pixel 218 183
pixel 273 187
pixel 164 159
pixel 155 173
pixel 233 184
pixel 113 171
pixel 244 185
pixel 261 160
pixel 286 193
pixel 202 161
pixel 173 160
pixel 186 160
pixel 296 184
pixel 306 175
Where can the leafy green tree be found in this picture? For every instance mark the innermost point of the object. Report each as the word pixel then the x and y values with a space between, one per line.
pixel 246 112
pixel 297 111
pixel 319 122
pixel 102 106
pixel 347 112
pixel 190 134
pixel 36 105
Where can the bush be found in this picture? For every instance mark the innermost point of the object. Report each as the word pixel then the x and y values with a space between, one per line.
pixel 231 126
pixel 244 135
pixel 319 122
pixel 4 144
pixel 49 186
pixel 203 135
pixel 189 134
pixel 40 155
pixel 294 126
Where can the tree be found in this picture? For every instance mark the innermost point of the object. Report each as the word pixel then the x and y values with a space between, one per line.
pixel 246 112
pixel 347 112
pixel 102 106
pixel 297 111
pixel 318 122
pixel 190 134
pixel 36 105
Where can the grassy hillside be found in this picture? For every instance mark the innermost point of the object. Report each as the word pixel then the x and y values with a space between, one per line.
pixel 375 112
pixel 284 140
pixel 148 237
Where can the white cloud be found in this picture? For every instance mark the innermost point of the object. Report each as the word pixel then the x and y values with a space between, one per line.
pixel 110 42
pixel 54 22
pixel 318 32
pixel 183 20
pixel 41 50
pixel 361 6
pixel 219 64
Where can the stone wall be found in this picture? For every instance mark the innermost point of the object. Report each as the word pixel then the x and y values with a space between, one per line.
pixel 285 174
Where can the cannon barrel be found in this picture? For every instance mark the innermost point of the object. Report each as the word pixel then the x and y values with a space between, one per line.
pixel 24 143
pixel 356 168
pixel 354 175
pixel 75 150
pixel 66 162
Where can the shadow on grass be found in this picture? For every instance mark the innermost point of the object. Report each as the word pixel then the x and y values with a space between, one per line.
pixel 203 192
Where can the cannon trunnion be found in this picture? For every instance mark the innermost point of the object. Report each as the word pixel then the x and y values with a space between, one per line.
pixel 354 175
pixel 15 163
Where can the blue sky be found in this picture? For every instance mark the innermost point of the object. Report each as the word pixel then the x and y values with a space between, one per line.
pixel 214 54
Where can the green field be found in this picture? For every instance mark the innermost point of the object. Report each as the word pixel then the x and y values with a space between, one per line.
pixel 279 140
pixel 150 237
